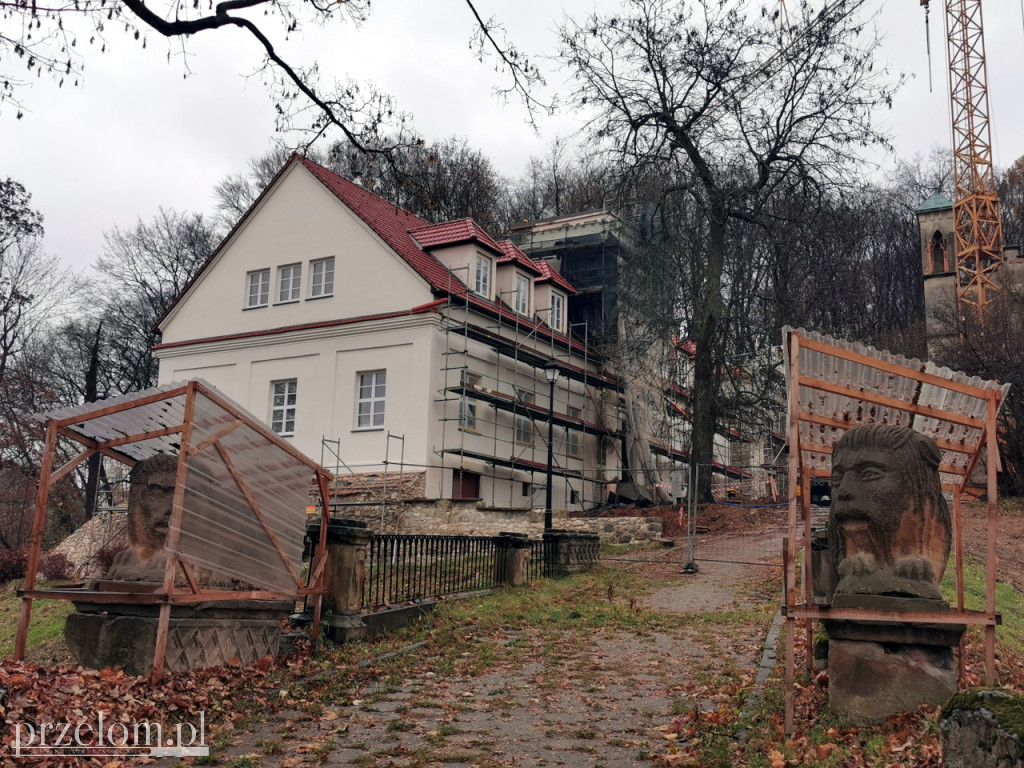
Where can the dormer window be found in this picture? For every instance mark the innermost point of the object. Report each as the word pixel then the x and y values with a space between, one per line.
pixel 557 319
pixel 482 282
pixel 522 294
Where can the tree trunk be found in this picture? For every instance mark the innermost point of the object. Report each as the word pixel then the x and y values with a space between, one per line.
pixel 705 378
pixel 91 393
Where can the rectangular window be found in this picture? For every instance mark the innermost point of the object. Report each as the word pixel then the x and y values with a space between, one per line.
pixel 370 402
pixel 321 280
pixel 557 312
pixel 471 380
pixel 572 437
pixel 258 293
pixel 283 395
pixel 482 283
pixel 524 424
pixel 467 413
pixel 465 485
pixel 289 283
pixel 522 295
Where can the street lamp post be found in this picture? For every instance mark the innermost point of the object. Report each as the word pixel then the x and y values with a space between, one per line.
pixel 551 372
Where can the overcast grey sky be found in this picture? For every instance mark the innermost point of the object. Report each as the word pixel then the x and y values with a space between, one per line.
pixel 138 134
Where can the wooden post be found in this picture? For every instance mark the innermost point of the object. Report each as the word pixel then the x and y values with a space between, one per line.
pixel 321 556
pixel 992 458
pixel 789 548
pixel 808 576
pixel 174 534
pixel 38 526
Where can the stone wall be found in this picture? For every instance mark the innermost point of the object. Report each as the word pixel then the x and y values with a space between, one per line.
pixel 104 530
pixel 470 518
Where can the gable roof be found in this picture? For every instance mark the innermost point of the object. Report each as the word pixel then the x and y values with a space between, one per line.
pixel 548 273
pixel 392 224
pixel 408 235
pixel 515 256
pixel 453 233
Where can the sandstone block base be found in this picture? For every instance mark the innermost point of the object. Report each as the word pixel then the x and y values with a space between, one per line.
pixel 869 681
pixel 194 641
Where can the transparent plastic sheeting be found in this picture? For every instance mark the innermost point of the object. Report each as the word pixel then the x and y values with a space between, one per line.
pixel 152 417
pixel 828 368
pixel 219 529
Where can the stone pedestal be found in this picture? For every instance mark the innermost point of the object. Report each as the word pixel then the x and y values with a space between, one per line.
pixel 567 552
pixel 348 544
pixel 199 635
pixel 877 669
pixel 512 558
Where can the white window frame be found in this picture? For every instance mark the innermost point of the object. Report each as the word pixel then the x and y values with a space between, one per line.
pixel 284 396
pixel 319 287
pixel 572 437
pixel 289 283
pixel 370 417
pixel 467 413
pixel 260 280
pixel 482 276
pixel 523 427
pixel 557 312
pixel 522 294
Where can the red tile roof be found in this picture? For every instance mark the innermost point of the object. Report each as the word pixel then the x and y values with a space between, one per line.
pixel 391 223
pixel 453 233
pixel 548 273
pixel 397 228
pixel 515 256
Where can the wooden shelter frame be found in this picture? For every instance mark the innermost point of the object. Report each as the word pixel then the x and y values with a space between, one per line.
pixel 168 593
pixel 799 604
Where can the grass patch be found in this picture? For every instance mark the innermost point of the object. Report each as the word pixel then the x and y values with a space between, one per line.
pixel 47 622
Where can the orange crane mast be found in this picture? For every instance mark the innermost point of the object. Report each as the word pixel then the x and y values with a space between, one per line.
pixel 978 223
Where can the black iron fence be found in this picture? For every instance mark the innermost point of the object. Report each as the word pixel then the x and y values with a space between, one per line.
pixel 401 568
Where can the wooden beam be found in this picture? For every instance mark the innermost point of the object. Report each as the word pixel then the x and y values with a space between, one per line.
pixel 216 437
pixel 897 369
pixel 256 511
pixel 124 406
pixel 83 440
pixel 891 402
pixel 257 427
pixel 138 438
pixel 69 467
pixel 828 421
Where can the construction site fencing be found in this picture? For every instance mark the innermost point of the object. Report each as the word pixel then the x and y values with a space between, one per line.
pixel 748 519
pixel 402 568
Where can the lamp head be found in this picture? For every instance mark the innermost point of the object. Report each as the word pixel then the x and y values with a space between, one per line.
pixel 552 371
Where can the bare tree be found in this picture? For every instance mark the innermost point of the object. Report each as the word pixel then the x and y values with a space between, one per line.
pixel 53 38
pixel 1011 195
pixel 31 282
pixel 706 90
pixel 146 268
pixel 995 351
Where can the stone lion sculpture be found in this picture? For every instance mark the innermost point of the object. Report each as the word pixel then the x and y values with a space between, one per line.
pixel 889 526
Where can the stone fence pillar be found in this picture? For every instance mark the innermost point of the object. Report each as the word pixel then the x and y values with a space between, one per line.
pixel 512 557
pixel 348 545
pixel 567 552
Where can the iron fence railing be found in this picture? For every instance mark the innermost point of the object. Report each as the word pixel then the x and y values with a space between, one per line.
pixel 539 563
pixel 402 568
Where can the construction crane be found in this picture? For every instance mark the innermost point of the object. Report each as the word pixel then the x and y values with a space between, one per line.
pixel 977 219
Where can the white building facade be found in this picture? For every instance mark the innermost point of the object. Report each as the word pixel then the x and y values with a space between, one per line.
pixel 333 315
